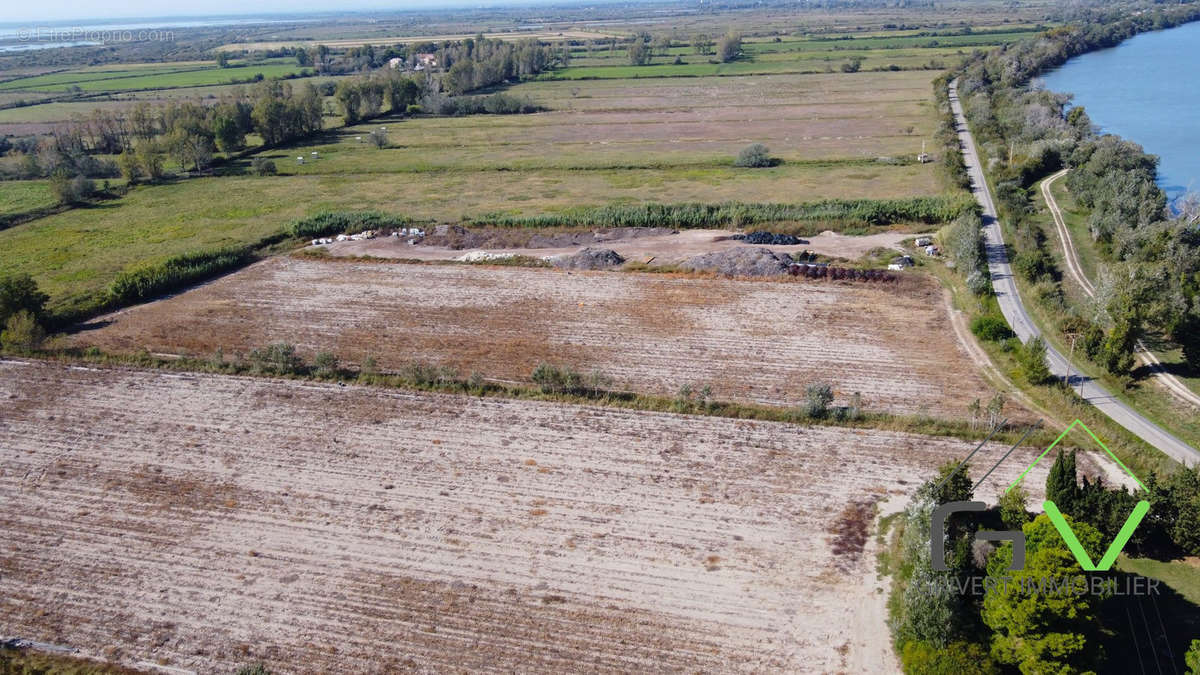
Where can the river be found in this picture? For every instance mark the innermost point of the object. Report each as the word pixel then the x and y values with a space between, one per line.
pixel 1145 90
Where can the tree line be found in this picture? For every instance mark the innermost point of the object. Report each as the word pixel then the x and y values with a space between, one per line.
pixel 1151 280
pixel 1015 622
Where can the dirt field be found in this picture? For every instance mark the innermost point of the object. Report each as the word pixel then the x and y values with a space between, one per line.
pixel 749 340
pixel 664 249
pixel 204 522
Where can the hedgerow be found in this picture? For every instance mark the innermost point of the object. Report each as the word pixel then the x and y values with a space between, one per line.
pixel 930 210
pixel 345 222
pixel 146 283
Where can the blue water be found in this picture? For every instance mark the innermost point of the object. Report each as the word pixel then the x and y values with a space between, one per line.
pixel 1147 90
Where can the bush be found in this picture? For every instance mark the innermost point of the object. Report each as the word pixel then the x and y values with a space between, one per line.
pixel 956 658
pixel 71 190
pixel 150 282
pixel 991 328
pixel 754 156
pixel 279 359
pixel 19 292
pixel 326 364
pixel 261 166
pixel 555 380
pixel 1033 361
pixel 817 397
pixel 344 222
pixel 378 138
pixel 22 332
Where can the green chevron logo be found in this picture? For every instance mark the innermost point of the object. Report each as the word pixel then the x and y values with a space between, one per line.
pixel 1064 528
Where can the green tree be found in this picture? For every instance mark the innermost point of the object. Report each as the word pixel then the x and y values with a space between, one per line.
pixel 639 53
pixel 349 99
pixel 730 47
pixel 817 397
pixel 1033 361
pixel 955 658
pixel 1061 485
pixel 1041 622
pixel 755 155
pixel 150 159
pixel 127 161
pixel 702 44
pixel 1192 658
pixel 228 134
pixel 22 332
pixel 1186 332
pixel 222 60
pixel 1014 509
pixel 1116 353
pixel 19 292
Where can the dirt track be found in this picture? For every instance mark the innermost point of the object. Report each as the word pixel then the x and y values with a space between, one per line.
pixel 748 340
pixel 203 522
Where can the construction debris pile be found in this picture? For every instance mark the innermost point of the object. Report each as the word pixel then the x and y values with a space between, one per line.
pixel 589 259
pixel 764 238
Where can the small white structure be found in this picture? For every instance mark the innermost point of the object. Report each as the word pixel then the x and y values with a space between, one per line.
pixel 395 63
pixel 899 263
pixel 931 250
pixel 358 138
pixel 314 153
pixel 924 156
pixel 299 160
pixel 924 241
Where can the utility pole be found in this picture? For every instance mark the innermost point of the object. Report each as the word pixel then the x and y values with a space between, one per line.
pixel 1071 358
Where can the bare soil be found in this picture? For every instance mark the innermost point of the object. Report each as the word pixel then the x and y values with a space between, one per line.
pixel 751 341
pixel 658 246
pixel 205 522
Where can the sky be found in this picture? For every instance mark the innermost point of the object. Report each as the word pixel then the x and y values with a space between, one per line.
pixel 56 11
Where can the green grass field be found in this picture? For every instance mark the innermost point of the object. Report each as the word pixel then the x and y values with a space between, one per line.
pixel 138 78
pixel 1182 576
pixel 621 140
pixel 23 196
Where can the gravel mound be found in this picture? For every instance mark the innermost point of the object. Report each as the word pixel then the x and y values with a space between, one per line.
pixel 590 259
pixel 745 261
pixel 764 238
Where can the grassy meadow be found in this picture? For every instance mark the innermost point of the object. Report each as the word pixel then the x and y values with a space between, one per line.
pixel 626 137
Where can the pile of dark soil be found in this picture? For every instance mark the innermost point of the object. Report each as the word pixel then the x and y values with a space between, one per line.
pixel 764 238
pixel 590 259
pixel 744 261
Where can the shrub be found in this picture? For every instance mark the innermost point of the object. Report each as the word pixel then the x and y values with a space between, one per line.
pixel 755 156
pixel 555 380
pixel 22 332
pixel 378 138
pixel 261 166
pixel 1033 361
pixel 258 669
pixel 146 283
pixel 344 222
pixel 817 397
pixel 71 190
pixel 991 328
pixel 19 292
pixel 279 358
pixel 956 658
pixel 326 364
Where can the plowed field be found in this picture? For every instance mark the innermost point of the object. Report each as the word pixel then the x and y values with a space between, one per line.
pixel 751 341
pixel 202 522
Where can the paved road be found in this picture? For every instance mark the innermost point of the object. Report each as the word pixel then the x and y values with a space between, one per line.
pixel 1071 256
pixel 1022 324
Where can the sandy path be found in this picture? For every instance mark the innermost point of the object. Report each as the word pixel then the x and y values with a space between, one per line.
pixel 664 249
pixel 202 522
pixel 1167 380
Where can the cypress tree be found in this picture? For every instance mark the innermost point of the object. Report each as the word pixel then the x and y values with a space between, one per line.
pixel 1060 484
